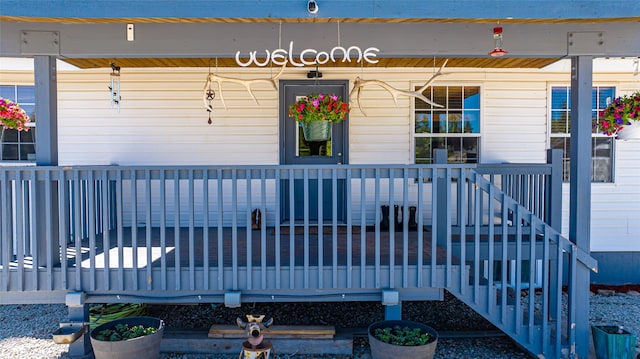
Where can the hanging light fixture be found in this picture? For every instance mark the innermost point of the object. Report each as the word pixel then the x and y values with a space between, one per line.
pixel 498 51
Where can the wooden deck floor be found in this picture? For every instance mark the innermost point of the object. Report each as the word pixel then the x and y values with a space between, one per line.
pixel 258 246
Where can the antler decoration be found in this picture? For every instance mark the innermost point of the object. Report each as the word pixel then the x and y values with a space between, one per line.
pixel 358 84
pixel 273 81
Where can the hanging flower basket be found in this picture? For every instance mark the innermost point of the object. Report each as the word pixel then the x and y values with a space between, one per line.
pixel 317 131
pixel 620 118
pixel 12 117
pixel 316 113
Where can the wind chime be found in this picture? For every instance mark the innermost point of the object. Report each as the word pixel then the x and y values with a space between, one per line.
pixel 210 94
pixel 114 86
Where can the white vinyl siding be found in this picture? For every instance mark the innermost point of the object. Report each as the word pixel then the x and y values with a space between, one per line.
pixel 162 121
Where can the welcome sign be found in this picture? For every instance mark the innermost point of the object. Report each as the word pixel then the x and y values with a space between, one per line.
pixel 310 57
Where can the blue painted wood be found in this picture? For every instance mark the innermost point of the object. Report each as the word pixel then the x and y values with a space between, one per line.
pixel 580 187
pixel 332 276
pixel 270 9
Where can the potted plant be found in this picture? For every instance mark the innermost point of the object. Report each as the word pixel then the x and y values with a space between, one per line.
pixel 316 113
pixel 131 337
pixel 12 116
pixel 621 118
pixel 394 339
pixel 613 342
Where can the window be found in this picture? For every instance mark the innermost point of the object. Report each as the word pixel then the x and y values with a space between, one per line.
pixel 455 127
pixel 602 147
pixel 15 145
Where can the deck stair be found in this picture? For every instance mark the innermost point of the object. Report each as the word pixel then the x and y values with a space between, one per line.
pixel 527 307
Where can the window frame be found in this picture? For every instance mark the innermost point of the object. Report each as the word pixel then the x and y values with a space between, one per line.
pixel 32 125
pixel 594 134
pixel 475 135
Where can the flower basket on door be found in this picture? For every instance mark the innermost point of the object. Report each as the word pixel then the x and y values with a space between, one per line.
pixel 316 113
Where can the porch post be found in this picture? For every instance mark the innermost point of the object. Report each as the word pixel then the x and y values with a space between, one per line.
pixel 553 190
pixel 553 217
pixel 580 193
pixel 46 154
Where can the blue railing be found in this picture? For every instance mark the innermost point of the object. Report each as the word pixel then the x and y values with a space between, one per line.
pixel 192 234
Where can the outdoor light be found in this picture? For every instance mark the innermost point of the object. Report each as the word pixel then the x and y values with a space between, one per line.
pixel 312 7
pixel 498 51
pixel 314 74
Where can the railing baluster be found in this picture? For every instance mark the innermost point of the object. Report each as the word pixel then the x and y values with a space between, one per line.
pixel 320 229
pixel 392 228
pixel 134 229
pixel 263 228
pixel 420 229
pixel 448 275
pixel 405 227
pixel 491 256
pixel 376 272
pixel 77 224
pixel 363 228
pixel 148 227
pixel 192 241
pixel 164 285
pixel 292 228
pixel 91 221
pixel 504 263
pixel 334 224
pixel 305 248
pixel 5 228
pixel 248 231
pixel 51 260
pixel 558 315
pixel 33 189
pixel 462 223
pixel 176 229
pixel 234 230
pixel 105 200
pixel 572 292
pixel 19 225
pixel 518 224
pixel 476 241
pixel 545 290
pixel 435 189
pixel 220 224
pixel 205 230
pixel 349 269
pixel 532 274
pixel 278 197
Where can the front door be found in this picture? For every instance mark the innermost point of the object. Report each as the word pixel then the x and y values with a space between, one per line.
pixel 296 151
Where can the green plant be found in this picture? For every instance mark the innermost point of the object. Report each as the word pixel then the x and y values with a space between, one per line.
pixel 319 107
pixel 12 116
pixel 124 332
pixel 619 113
pixel 403 336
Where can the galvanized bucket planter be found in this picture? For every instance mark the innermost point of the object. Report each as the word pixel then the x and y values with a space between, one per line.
pixel 317 130
pixel 613 342
pixel 145 347
pixel 382 350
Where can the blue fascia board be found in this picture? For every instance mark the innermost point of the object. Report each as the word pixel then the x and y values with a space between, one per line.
pixel 295 9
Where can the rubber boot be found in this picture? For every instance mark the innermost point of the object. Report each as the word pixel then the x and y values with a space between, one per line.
pixel 384 223
pixel 397 212
pixel 256 219
pixel 413 225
